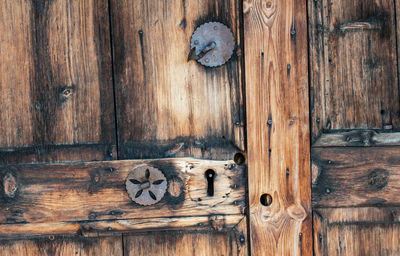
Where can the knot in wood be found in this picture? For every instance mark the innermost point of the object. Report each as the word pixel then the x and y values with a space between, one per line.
pixel 146 185
pixel 10 185
pixel 378 179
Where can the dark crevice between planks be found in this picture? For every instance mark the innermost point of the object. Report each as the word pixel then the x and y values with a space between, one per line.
pixel 113 78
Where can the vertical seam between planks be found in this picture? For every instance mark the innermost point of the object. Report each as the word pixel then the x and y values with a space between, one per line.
pixel 310 111
pixel 113 77
pixel 397 43
pixel 243 77
pixel 123 244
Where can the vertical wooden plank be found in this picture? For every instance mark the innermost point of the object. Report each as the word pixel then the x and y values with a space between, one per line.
pixel 275 35
pixel 63 246
pixel 319 234
pixel 176 243
pixel 167 106
pixel 353 69
pixel 55 78
pixel 56 97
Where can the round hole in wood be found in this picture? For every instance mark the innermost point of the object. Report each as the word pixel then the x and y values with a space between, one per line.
pixel 239 158
pixel 266 199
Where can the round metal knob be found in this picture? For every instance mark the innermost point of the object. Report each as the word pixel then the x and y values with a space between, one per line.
pixel 146 185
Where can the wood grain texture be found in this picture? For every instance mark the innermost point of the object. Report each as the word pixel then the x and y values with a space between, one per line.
pixel 177 243
pixel 94 191
pixel 167 106
pixel 117 226
pixel 357 231
pixel 110 246
pixel 55 74
pixel 353 69
pixel 355 176
pixel 358 138
pixel 232 242
pixel 58 153
pixel 275 35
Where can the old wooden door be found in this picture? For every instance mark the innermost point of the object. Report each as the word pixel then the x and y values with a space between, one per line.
pixel 355 121
pixel 92 91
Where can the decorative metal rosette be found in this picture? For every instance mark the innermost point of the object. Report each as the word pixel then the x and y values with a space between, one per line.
pixel 212 44
pixel 146 185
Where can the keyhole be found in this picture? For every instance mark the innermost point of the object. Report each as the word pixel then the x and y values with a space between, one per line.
pixel 210 175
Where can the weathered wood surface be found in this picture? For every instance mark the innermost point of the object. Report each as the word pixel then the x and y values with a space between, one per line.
pixel 56 99
pixel 55 75
pixel 353 69
pixel 109 246
pixel 275 35
pixel 98 228
pixel 358 138
pixel 58 153
pixel 357 231
pixel 166 106
pixel 355 176
pixel 178 243
pixel 93 191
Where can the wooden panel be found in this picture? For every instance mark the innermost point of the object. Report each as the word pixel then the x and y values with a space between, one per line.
pixel 275 35
pixel 167 106
pixel 55 75
pixel 77 192
pixel 355 176
pixel 353 71
pixel 358 138
pixel 110 246
pixel 357 231
pixel 178 243
pixel 163 244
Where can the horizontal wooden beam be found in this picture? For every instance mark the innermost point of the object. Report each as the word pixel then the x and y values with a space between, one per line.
pixel 215 223
pixel 92 196
pixel 355 176
pixel 58 153
pixel 358 138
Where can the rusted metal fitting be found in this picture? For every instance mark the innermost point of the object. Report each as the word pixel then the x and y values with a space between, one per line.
pixel 212 44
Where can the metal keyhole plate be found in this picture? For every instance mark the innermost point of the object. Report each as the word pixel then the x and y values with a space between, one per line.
pixel 213 43
pixel 146 185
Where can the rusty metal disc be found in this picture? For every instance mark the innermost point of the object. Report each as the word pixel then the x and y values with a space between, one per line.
pixel 146 185
pixel 213 43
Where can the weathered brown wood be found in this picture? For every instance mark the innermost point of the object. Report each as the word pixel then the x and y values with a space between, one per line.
pixel 232 242
pixel 58 153
pixel 166 106
pixel 55 76
pixel 355 176
pixel 358 138
pixel 275 35
pixel 110 246
pixel 319 234
pixel 357 231
pixel 93 191
pixel 220 223
pixel 56 100
pixel 353 69
pixel 163 244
